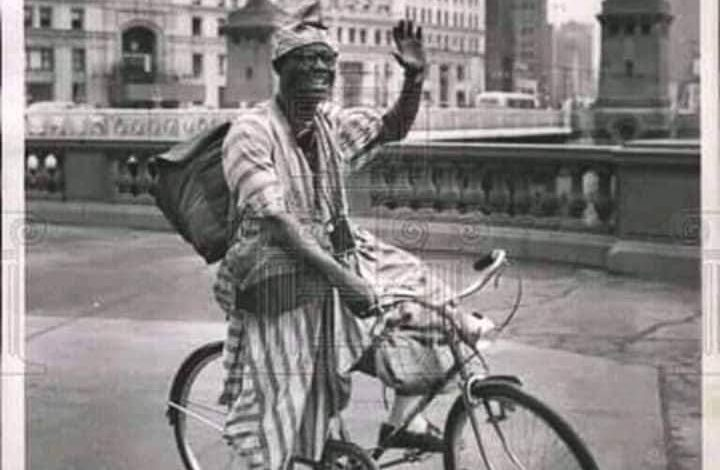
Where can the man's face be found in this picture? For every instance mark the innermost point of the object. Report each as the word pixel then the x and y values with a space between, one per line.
pixel 308 72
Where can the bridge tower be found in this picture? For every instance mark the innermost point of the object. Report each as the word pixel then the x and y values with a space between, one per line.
pixel 633 100
pixel 249 32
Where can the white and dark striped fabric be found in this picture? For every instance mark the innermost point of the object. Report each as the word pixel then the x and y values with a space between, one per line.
pixel 289 353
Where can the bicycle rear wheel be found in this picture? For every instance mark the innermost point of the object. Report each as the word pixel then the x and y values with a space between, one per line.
pixel 195 414
pixel 517 432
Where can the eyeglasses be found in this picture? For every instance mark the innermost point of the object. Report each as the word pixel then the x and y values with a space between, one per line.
pixel 308 58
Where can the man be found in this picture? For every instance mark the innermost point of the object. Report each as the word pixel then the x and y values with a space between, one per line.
pixel 299 276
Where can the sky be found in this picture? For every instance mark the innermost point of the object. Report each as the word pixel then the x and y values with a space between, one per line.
pixel 561 11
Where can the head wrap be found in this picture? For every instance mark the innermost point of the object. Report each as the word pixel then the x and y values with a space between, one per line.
pixel 304 27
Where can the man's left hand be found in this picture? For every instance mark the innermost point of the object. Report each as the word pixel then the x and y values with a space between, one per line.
pixel 410 52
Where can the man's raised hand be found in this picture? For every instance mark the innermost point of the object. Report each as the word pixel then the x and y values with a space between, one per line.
pixel 410 52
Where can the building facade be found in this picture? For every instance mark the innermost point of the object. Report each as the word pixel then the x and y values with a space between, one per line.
pixel 126 52
pixel 149 53
pixel 572 72
pixel 500 45
pixel 685 52
pixel 519 48
pixel 454 35
pixel 533 48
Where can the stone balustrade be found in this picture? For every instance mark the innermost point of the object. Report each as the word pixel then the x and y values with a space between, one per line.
pixel 174 125
pixel 629 209
pixel 540 186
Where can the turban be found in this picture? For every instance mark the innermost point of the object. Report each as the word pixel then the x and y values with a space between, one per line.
pixel 305 27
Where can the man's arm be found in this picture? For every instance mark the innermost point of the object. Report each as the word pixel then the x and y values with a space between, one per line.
pixel 410 55
pixel 400 118
pixel 288 232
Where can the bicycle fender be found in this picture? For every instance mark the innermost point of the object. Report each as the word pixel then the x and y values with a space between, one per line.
pixel 508 379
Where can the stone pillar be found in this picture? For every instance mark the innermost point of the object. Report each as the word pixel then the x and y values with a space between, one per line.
pixel 87 175
pixel 633 100
pixel 249 33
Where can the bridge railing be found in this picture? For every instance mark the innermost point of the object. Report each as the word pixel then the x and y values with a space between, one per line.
pixel 533 186
pixel 438 119
pixel 174 125
pixel 587 204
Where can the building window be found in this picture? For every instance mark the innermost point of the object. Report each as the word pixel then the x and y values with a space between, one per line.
pixel 363 36
pixel 197 2
pixel 40 59
pixel 447 18
pixel 79 92
pixel 613 29
pixel 646 28
pixel 630 28
pixel 46 17
pixel 28 17
pixel 77 18
pixel 221 26
pixel 221 3
pixel 629 68
pixel 460 97
pixel 249 73
pixel 197 65
pixel 351 32
pixel 388 37
pixel 438 18
pixel 221 64
pixel 460 73
pixel 378 37
pixel 196 26
pixel 339 34
pixel 78 60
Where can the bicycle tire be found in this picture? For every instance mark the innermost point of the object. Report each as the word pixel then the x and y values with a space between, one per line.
pixel 342 455
pixel 197 384
pixel 503 402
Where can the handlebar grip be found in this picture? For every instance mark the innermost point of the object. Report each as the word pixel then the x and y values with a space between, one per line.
pixel 483 262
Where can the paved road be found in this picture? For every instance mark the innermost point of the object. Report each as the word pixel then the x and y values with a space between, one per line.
pixel 112 312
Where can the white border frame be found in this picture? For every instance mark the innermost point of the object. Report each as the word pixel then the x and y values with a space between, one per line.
pixel 13 253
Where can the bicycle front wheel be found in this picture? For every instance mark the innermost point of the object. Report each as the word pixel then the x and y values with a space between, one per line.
pixel 515 431
pixel 195 414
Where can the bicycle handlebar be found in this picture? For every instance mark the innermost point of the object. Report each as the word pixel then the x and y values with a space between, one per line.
pixel 497 260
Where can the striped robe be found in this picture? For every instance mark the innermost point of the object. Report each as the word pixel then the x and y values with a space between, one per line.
pixel 290 340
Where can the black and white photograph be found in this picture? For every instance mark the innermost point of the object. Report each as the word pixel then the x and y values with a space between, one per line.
pixel 358 235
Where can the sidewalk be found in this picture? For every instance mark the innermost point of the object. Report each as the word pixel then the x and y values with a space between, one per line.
pixel 112 312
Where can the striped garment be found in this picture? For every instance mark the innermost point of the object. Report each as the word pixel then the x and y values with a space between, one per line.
pixel 290 347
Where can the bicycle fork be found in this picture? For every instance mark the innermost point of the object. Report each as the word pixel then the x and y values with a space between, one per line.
pixel 494 420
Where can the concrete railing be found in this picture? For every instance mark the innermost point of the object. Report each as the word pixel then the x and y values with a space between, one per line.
pixel 595 205
pixel 162 125
pixel 438 119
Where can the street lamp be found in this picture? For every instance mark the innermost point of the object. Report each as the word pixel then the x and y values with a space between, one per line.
pixel 51 165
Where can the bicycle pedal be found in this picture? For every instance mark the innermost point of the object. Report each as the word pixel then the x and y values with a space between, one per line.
pixel 416 455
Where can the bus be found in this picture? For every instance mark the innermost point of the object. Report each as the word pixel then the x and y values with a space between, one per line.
pixel 504 99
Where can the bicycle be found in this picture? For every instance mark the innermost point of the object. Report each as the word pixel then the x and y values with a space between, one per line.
pixel 493 424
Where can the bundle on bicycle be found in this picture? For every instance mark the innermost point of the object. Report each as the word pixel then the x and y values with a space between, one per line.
pixel 311 297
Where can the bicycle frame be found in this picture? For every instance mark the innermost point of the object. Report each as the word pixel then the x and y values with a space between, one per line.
pixel 467 379
pixel 459 362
